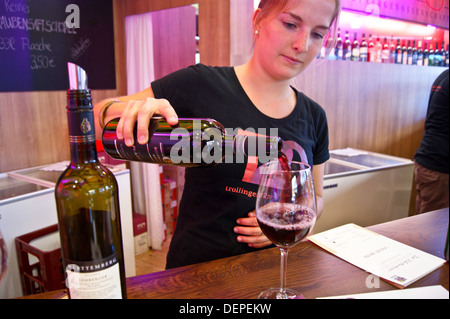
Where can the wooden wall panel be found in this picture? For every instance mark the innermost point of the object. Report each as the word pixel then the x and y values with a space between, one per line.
pixel 174 45
pixel 241 31
pixel 371 106
pixel 214 32
pixel 33 128
pixel 131 7
pixel 213 24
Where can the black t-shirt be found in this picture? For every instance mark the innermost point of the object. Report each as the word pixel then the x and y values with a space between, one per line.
pixel 214 197
pixel 433 150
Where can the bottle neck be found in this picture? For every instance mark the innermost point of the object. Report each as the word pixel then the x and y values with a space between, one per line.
pixel 80 117
pixel 254 145
pixel 83 152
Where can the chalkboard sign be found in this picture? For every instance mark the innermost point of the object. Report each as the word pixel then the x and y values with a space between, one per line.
pixel 39 37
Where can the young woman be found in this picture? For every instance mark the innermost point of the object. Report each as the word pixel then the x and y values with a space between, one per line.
pixel 215 220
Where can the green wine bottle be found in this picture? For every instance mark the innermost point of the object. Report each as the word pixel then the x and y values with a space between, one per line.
pixel 88 207
pixel 194 142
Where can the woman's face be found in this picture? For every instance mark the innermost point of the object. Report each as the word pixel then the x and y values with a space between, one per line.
pixel 288 42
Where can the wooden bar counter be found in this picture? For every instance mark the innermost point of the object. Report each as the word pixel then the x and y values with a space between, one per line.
pixel 312 270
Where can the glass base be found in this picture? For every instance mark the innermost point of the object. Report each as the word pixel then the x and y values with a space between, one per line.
pixel 276 293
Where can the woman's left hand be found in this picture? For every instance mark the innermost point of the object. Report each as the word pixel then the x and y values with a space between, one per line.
pixel 250 232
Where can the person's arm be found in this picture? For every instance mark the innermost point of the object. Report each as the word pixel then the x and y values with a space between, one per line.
pixel 318 173
pixel 131 108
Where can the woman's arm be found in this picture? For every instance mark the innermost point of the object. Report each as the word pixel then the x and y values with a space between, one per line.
pixel 138 107
pixel 318 173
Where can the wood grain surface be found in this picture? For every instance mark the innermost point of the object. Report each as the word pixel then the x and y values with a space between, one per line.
pixel 312 270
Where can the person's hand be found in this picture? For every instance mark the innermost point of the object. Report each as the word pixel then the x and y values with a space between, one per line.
pixel 141 111
pixel 250 232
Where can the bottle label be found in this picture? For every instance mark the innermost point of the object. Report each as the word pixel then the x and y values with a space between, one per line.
pixel 347 55
pixel 81 126
pixel 363 54
pixel 153 152
pixel 99 279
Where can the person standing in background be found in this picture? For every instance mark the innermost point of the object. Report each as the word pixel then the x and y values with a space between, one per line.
pixel 431 159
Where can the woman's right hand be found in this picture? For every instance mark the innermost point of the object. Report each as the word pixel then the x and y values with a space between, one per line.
pixel 141 111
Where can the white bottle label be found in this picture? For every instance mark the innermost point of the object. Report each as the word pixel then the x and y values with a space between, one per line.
pixel 95 280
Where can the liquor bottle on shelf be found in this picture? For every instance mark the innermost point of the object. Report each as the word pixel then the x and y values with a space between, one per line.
pixel 392 51
pixel 192 143
pixel 414 53
pixel 447 57
pixel 88 206
pixel 363 50
pixel 419 54
pixel 437 55
pixel 385 52
pixel 355 49
pixel 409 53
pixel 431 55
pixel 442 54
pixel 378 50
pixel 371 50
pixel 338 49
pixel 347 48
pixel 398 53
pixel 404 53
pixel 426 55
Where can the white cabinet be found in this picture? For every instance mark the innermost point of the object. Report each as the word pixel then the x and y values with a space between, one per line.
pixel 364 188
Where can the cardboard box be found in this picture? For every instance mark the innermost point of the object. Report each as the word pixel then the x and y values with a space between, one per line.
pixel 140 233
pixel 176 174
pixel 169 204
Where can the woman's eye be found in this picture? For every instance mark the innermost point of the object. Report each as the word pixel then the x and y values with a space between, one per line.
pixel 318 35
pixel 289 25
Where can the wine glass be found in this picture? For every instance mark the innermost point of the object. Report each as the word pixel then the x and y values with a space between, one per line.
pixel 3 257
pixel 286 212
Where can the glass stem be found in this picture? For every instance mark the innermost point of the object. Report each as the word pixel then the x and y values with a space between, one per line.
pixel 283 268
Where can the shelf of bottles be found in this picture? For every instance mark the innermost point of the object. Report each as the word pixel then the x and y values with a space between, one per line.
pixel 377 40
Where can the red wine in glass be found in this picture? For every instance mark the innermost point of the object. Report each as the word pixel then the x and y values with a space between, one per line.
pixel 286 225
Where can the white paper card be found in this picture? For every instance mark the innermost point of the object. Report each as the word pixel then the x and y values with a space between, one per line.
pixel 391 260
pixel 430 292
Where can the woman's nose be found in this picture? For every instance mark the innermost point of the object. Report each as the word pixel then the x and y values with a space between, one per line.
pixel 301 42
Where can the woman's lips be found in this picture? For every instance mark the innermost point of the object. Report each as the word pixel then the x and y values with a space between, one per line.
pixel 291 59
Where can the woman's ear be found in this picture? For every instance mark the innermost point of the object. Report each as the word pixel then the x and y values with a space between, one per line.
pixel 255 21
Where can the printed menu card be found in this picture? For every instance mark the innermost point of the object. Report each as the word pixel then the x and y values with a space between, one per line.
pixel 388 259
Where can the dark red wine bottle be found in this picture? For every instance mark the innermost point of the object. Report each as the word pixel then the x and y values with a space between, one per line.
pixel 192 143
pixel 355 48
pixel 88 207
pixel 363 51
pixel 347 48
